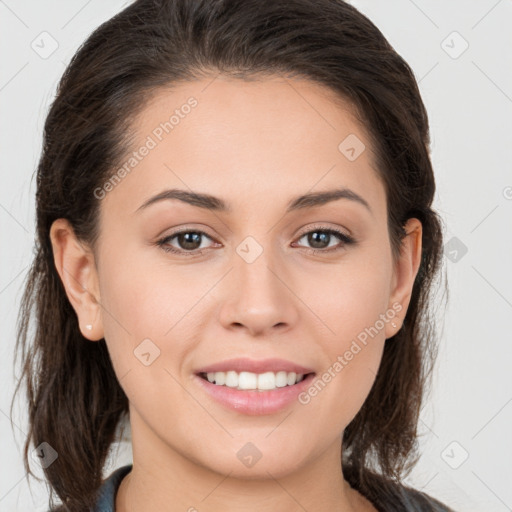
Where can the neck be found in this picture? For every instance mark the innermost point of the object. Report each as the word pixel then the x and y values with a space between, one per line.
pixel 163 479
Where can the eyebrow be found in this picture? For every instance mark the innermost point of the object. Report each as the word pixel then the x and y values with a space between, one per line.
pixel 217 204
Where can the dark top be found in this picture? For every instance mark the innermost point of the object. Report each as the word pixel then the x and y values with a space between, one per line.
pixel 395 498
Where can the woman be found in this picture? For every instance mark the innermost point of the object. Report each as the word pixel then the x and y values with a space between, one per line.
pixel 235 250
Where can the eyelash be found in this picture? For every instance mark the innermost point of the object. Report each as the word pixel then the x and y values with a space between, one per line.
pixel 346 240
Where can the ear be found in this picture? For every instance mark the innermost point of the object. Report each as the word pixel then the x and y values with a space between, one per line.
pixel 77 270
pixel 404 274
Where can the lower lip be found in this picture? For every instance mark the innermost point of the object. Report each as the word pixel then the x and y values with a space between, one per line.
pixel 255 402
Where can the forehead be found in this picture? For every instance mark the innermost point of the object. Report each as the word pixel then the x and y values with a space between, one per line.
pixel 244 140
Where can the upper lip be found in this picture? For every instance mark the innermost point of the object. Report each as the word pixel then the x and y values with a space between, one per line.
pixel 255 366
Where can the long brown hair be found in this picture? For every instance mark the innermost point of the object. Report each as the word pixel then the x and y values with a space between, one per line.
pixel 75 401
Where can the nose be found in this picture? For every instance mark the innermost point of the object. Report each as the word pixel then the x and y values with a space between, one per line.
pixel 259 296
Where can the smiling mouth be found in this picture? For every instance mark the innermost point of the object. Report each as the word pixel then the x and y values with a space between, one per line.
pixel 249 381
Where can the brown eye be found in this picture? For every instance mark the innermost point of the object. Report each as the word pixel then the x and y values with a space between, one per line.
pixel 186 241
pixel 189 240
pixel 320 239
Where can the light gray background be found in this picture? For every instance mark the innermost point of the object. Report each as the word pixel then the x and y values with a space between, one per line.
pixel 469 99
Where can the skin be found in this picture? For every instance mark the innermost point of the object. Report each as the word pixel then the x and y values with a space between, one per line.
pixel 256 145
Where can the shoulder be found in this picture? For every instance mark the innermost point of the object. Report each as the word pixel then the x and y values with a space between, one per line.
pixel 415 500
pixel 388 495
pixel 401 498
pixel 107 492
pixel 105 500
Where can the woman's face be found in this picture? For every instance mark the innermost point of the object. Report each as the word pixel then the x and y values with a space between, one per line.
pixel 266 280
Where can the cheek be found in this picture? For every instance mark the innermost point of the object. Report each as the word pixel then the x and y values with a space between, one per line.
pixel 144 309
pixel 136 307
pixel 147 298
pixel 353 304
pixel 352 297
pixel 131 299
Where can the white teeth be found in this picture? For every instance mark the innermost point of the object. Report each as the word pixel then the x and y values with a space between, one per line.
pixel 248 380
pixel 231 379
pixel 220 378
pixel 282 379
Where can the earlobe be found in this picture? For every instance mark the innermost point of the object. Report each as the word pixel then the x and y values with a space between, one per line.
pixel 76 267
pixel 405 271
